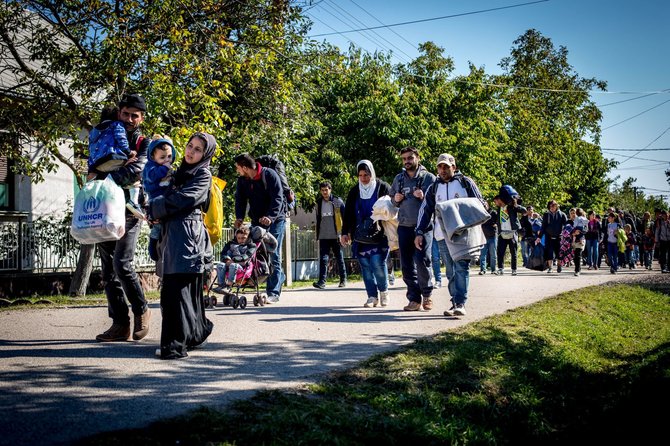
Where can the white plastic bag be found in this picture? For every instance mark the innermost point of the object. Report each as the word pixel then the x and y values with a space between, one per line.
pixel 99 213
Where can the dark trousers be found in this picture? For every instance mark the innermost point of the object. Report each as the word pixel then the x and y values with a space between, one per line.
pixel 417 270
pixel 663 254
pixel 325 246
pixel 118 274
pixel 577 259
pixel 502 247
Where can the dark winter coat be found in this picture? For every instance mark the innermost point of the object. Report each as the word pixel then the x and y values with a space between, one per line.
pixel 264 197
pixel 185 243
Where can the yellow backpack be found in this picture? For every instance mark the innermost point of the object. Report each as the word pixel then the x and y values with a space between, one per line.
pixel 214 215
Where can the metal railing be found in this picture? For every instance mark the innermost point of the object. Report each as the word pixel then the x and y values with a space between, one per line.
pixel 38 248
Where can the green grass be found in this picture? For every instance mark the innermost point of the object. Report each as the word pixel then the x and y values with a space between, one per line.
pixel 589 366
pixel 66 301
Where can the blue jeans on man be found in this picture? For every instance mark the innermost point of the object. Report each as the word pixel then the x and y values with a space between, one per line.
pixel 277 276
pixel 458 275
pixel 415 264
pixel 325 246
pixel 490 248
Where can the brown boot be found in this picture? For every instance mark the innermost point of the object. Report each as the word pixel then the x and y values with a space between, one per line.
pixel 141 328
pixel 412 306
pixel 427 303
pixel 115 333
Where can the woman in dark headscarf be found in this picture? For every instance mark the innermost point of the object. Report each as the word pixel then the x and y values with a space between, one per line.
pixel 185 251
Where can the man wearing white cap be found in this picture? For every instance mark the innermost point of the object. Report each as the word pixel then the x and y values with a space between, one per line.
pixel 450 184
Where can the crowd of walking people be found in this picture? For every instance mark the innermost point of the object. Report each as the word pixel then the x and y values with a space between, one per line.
pixel 425 218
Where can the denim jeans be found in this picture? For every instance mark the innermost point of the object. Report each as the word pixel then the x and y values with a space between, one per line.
pixel 415 264
pixel 490 248
pixel 325 245
pixel 277 277
pixel 458 275
pixel 592 252
pixel 526 249
pixel 119 276
pixel 647 257
pixel 375 275
pixel 613 255
pixel 435 261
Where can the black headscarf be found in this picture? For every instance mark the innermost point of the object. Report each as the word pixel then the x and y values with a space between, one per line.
pixel 186 171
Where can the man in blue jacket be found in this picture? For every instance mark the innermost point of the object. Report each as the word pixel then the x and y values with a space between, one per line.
pixel 260 189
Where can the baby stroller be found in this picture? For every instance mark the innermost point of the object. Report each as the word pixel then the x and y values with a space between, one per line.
pixel 250 276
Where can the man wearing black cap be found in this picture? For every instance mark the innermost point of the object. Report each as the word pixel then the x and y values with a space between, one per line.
pixel 122 284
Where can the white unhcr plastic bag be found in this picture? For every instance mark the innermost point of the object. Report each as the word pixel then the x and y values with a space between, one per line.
pixel 99 213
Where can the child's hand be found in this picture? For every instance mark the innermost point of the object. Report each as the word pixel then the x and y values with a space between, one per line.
pixel 132 157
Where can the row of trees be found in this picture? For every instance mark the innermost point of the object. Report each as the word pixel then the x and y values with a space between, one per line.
pixel 245 72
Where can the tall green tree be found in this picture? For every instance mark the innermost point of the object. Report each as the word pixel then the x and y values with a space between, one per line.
pixel 550 116
pixel 192 59
pixel 462 116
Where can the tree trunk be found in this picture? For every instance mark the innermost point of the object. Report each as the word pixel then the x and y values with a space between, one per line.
pixel 83 271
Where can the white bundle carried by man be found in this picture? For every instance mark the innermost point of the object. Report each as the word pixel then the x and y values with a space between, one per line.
pixel 385 211
pixel 99 213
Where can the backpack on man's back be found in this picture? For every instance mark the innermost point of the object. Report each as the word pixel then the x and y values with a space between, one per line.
pixel 274 163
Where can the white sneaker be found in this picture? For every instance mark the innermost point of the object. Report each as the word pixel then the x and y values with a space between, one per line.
pixel 459 310
pixel 577 274
pixel 370 302
pixel 384 298
pixel 272 299
pixel 158 352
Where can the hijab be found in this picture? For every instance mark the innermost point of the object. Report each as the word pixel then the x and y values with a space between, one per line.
pixel 366 190
pixel 187 171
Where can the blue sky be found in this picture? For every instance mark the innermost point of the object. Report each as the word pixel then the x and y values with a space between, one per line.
pixel 625 43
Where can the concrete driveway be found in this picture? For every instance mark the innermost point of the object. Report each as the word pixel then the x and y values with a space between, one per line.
pixel 57 384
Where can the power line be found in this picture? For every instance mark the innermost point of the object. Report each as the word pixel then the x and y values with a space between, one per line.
pixel 380 22
pixel 633 117
pixel 432 18
pixel 640 159
pixel 356 20
pixel 634 150
pixel 632 99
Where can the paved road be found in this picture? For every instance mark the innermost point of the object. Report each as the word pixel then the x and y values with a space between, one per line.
pixel 57 384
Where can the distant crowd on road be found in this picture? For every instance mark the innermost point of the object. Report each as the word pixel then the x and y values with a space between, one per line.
pixel 426 218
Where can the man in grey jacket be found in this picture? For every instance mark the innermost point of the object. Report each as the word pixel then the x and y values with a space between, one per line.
pixel 407 193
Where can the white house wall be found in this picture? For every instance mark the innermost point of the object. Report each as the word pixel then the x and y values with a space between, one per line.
pixel 52 196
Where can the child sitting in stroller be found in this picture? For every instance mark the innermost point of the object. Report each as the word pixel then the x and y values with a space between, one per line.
pixel 246 265
pixel 234 255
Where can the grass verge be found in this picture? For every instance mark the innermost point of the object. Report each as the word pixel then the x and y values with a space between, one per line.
pixel 589 366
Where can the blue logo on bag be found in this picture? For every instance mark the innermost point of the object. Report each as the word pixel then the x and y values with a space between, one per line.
pixel 91 205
